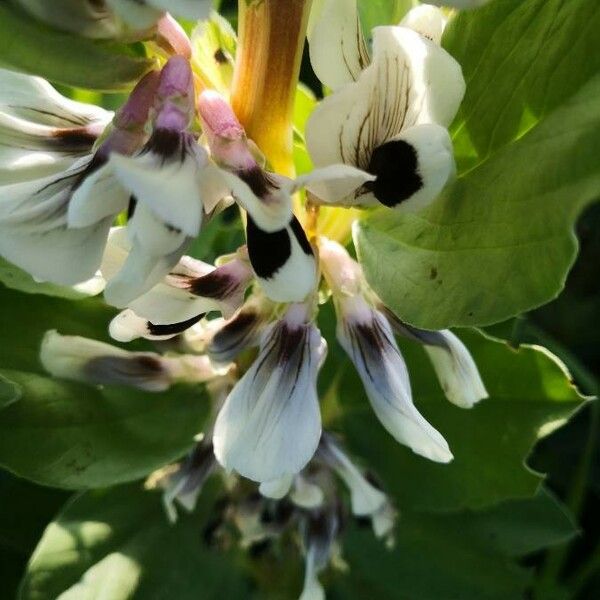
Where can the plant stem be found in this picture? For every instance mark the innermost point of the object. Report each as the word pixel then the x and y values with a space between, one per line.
pixel 271 38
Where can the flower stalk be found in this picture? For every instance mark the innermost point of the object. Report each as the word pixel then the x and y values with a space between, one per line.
pixel 271 38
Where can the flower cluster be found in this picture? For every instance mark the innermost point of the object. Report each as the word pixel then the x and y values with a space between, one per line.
pixel 169 160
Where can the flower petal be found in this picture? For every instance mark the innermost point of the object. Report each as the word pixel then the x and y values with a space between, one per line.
pixel 283 261
pixel 366 498
pixel 34 232
pixel 338 51
pixel 34 99
pixel 410 81
pixel 134 267
pixel 427 20
pixel 100 195
pixel 90 361
pixel 335 183
pixel 169 186
pixel 277 488
pixel 270 424
pixel 411 169
pixel 367 337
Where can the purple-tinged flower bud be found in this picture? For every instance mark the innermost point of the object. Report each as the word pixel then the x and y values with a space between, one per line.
pixel 90 361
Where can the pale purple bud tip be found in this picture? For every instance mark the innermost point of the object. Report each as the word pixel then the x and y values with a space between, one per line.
pixel 225 136
pixel 171 37
pixel 218 117
pixel 134 113
pixel 176 79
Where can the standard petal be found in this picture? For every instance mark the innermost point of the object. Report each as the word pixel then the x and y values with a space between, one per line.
pixel 34 99
pixel 366 335
pixel 270 424
pixel 338 51
pixel 35 235
pixel 410 81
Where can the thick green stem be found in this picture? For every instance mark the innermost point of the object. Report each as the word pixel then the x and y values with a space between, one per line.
pixel 271 38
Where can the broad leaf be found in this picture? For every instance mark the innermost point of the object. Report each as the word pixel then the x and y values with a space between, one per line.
pixel 118 544
pixel 528 391
pixel 466 555
pixel 76 436
pixel 500 240
pixel 520 60
pixel 381 12
pixel 29 46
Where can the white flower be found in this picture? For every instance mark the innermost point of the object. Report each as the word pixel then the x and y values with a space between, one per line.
pixel 190 290
pixel 279 251
pixel 90 361
pixel 41 132
pixel 45 229
pixel 452 361
pixel 270 424
pixel 172 184
pixel 34 232
pixel 391 122
pixel 366 335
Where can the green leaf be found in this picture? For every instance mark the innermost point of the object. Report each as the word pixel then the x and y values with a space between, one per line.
pixel 530 394
pixel 520 60
pixel 466 555
pixel 17 279
pixel 118 544
pixel 29 46
pixel 500 240
pixel 76 436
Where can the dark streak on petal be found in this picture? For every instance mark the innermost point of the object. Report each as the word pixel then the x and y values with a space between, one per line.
pixel 173 328
pixel 301 236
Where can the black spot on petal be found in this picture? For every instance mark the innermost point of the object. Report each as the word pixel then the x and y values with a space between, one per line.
pixel 268 251
pixel 396 166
